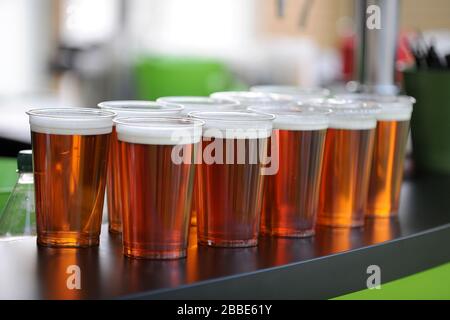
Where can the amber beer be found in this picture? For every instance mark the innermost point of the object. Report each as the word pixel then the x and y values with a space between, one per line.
pixel 291 196
pixel 156 160
pixel 198 103
pixel 230 180
pixel 126 108
pixel 347 160
pixel 388 157
pixel 70 151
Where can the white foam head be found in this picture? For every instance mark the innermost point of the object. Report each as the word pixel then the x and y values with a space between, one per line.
pixel 392 108
pixel 298 93
pixel 297 118
pixel 199 103
pixel 71 121
pixel 247 98
pixel 158 131
pixel 348 114
pixel 138 108
pixel 235 124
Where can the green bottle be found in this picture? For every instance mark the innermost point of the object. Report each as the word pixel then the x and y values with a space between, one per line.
pixel 18 218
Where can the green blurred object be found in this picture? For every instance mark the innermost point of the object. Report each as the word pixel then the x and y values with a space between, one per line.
pixel 430 123
pixel 432 284
pixel 181 76
pixel 8 178
pixel 19 216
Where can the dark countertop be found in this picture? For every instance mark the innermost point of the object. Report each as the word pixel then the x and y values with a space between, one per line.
pixel 332 263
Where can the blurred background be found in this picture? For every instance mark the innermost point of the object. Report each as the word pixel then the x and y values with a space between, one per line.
pixel 80 52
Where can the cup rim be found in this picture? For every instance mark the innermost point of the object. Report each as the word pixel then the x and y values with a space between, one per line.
pixel 143 122
pixel 63 113
pixel 144 106
pixel 232 116
pixel 193 101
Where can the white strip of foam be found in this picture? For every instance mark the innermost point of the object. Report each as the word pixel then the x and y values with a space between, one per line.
pixel 159 134
pixel 351 122
pixel 392 108
pixel 394 115
pixel 299 123
pixel 235 124
pixel 70 122
pixel 296 119
pixel 211 131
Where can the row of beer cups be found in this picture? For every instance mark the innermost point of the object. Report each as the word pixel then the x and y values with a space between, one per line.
pixel 238 164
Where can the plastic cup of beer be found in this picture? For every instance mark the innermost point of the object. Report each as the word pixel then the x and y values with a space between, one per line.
pixel 199 103
pixel 70 152
pixel 391 137
pixel 347 162
pixel 250 98
pixel 126 108
pixel 297 92
pixel 156 160
pixel 230 177
pixel 291 195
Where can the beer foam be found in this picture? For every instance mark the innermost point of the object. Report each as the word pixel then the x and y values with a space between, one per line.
pixel 235 124
pixel 392 108
pixel 348 114
pixel 137 108
pixel 297 119
pixel 71 121
pixel 355 122
pixel 247 98
pixel 158 131
pixel 298 93
pixel 199 103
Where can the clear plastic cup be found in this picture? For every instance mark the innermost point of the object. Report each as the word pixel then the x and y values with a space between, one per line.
pixel 347 162
pixel 70 152
pixel 156 161
pixel 127 108
pixel 291 195
pixel 230 183
pixel 391 137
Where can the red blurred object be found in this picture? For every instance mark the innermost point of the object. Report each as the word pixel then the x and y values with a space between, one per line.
pixel 404 56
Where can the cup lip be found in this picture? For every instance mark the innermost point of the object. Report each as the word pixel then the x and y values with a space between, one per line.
pixel 197 101
pixel 232 116
pixel 392 107
pixel 144 106
pixel 143 122
pixel 297 118
pixel 292 90
pixel 62 113
pixel 345 106
pixel 252 97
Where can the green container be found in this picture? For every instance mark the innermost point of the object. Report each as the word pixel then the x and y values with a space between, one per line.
pixel 8 178
pixel 181 76
pixel 430 123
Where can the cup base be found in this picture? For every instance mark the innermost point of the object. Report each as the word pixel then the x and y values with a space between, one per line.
pixel 114 229
pixel 381 215
pixel 340 223
pixel 67 240
pixel 153 254
pixel 289 233
pixel 228 243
